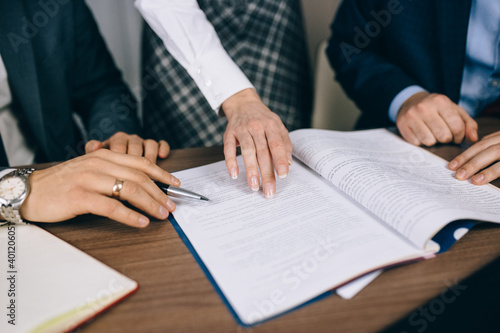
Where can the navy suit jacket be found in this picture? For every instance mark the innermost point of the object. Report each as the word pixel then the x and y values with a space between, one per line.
pixel 420 42
pixel 57 64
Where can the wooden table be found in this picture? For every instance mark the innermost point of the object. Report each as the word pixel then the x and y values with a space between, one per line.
pixel 175 296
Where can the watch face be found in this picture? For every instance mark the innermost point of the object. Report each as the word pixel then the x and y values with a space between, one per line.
pixel 11 188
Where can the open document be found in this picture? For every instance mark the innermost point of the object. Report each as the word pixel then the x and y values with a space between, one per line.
pixel 358 202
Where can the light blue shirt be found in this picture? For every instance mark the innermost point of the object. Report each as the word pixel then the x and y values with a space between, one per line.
pixel 481 75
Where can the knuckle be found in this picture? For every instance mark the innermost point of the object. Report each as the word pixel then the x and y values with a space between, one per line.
pixel 153 206
pixel 429 142
pixel 495 170
pixel 267 176
pixel 496 150
pixel 130 215
pixel 445 137
pixel 423 110
pixel 274 120
pixel 254 125
pixel 145 163
pixel 120 146
pixel 276 145
pixel 439 99
pixel 412 113
pixel 94 161
pixel 163 174
pixel 130 188
pixel 248 148
pixel 77 192
pixel 456 127
pixel 263 152
pixel 401 123
pixel 112 208
pixel 85 177
pixel 101 153
pixel 276 125
pixel 481 145
pixel 140 177
pixel 470 166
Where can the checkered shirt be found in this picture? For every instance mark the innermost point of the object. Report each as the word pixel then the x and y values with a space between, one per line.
pixel 266 40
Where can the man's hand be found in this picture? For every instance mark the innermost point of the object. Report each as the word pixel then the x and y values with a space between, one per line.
pixel 480 155
pixel 131 144
pixel 430 118
pixel 263 139
pixel 84 186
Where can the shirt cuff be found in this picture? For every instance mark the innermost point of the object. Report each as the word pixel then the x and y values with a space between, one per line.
pixel 400 98
pixel 218 77
pixel 3 172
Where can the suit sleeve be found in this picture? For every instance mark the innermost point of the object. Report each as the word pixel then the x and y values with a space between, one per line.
pixel 99 94
pixel 360 59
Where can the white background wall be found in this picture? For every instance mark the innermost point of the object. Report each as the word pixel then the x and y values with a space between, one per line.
pixel 120 24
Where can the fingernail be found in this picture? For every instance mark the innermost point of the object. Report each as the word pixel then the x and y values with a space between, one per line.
pixel 163 212
pixel 175 181
pixel 143 221
pixel 460 174
pixel 478 178
pixel 234 173
pixel 254 183
pixel 290 159
pixel 453 165
pixel 269 190
pixel 170 205
pixel 282 171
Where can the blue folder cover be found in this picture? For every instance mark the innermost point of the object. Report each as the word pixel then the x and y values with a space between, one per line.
pixel 452 232
pixel 445 238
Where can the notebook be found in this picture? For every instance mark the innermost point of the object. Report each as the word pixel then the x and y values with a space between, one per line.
pixel 47 285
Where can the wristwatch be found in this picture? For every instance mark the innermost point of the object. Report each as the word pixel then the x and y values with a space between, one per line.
pixel 14 188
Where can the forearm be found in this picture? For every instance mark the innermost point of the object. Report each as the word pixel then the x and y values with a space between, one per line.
pixel 193 42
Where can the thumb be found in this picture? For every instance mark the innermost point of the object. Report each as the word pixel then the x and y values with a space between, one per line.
pixel 470 126
pixel 92 146
pixel 471 130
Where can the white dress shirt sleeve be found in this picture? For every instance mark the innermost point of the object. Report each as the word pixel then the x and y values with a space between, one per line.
pixel 193 42
pixel 400 98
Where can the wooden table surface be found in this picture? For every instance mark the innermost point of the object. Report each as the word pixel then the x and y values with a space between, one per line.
pixel 175 296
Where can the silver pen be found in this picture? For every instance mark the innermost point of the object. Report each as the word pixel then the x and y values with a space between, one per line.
pixel 178 192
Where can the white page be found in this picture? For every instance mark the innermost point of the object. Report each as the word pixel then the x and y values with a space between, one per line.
pixel 407 187
pixel 271 255
pixel 351 289
pixel 56 285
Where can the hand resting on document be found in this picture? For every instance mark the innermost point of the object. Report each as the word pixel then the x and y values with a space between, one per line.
pixel 484 154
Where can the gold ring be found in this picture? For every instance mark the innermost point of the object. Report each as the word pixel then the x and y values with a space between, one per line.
pixel 117 188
